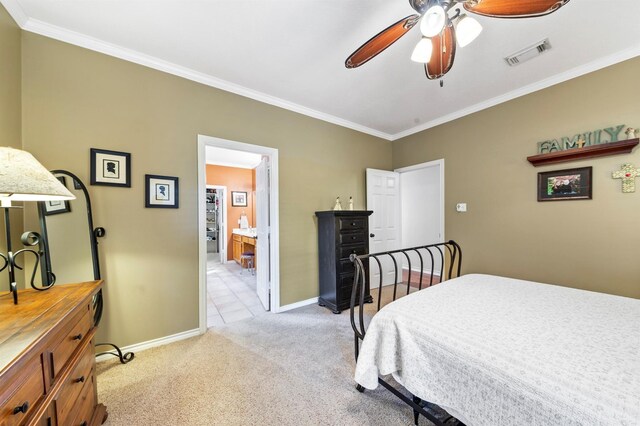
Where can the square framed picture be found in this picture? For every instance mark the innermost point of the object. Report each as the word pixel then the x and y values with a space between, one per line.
pixel 568 184
pixel 161 191
pixel 58 206
pixel 238 199
pixel 110 168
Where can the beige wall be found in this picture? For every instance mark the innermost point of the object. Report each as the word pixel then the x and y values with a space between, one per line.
pixel 586 244
pixel 75 99
pixel 10 123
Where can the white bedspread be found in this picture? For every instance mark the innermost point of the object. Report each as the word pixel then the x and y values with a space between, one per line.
pixel 498 351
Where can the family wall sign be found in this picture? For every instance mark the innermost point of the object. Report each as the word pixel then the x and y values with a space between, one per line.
pixel 580 140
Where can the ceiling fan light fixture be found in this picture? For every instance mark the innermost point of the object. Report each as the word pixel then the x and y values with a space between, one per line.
pixel 422 52
pixel 467 30
pixel 433 21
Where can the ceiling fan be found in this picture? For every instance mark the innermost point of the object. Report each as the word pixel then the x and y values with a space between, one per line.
pixel 437 47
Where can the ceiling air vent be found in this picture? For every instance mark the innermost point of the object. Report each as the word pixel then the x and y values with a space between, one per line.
pixel 528 53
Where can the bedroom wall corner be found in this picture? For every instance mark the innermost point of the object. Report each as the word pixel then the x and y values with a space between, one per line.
pixel 76 99
pixel 589 244
pixel 10 119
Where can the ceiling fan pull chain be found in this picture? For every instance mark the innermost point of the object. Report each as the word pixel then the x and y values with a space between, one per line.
pixel 441 83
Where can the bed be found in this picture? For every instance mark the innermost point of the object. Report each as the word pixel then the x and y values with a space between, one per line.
pixel 498 351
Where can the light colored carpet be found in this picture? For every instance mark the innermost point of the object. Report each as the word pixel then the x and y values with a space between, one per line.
pixel 294 368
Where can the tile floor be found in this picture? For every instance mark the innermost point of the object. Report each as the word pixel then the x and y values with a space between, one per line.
pixel 231 296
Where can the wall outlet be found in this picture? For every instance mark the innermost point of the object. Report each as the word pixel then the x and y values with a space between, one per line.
pixel 461 207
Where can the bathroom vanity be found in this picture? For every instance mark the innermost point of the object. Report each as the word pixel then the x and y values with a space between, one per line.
pixel 244 240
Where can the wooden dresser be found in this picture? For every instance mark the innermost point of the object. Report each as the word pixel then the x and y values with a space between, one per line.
pixel 47 358
pixel 340 234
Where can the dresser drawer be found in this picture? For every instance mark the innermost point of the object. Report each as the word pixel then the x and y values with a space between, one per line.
pixel 24 393
pixel 346 251
pixel 47 418
pixel 81 374
pixel 346 266
pixel 249 240
pixel 347 224
pixel 86 404
pixel 352 238
pixel 237 237
pixel 344 296
pixel 345 280
pixel 70 339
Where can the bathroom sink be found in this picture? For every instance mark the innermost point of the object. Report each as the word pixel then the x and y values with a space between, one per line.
pixel 248 232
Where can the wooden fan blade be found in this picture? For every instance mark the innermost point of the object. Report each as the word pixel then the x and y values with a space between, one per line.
pixel 514 8
pixel 444 52
pixel 381 41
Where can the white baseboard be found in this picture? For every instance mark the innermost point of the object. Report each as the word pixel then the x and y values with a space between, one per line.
pixel 298 304
pixel 426 271
pixel 137 347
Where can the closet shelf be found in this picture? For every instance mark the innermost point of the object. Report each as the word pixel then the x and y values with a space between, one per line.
pixel 602 150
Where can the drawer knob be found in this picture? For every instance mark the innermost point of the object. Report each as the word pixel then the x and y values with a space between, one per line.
pixel 83 423
pixel 372 235
pixel 79 379
pixel 77 337
pixel 354 238
pixel 21 408
pixel 353 224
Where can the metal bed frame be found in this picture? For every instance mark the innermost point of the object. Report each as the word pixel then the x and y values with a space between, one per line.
pixel 448 252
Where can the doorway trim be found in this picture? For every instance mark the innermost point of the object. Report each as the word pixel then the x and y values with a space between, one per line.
pixel 274 212
pixel 428 164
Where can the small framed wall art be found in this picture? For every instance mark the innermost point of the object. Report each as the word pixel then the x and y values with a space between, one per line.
pixel 238 199
pixel 110 168
pixel 568 184
pixel 161 191
pixel 58 206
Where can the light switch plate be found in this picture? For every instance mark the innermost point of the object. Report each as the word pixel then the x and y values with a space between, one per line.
pixel 461 207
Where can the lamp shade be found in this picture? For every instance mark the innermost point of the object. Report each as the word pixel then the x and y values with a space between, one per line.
pixel 433 21
pixel 23 178
pixel 467 30
pixel 422 51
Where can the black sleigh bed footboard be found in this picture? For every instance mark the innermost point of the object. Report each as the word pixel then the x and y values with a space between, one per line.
pixel 393 274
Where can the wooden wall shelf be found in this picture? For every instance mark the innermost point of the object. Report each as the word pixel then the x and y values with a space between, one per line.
pixel 602 150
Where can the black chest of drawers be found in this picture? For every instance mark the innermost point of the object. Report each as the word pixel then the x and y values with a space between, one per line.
pixel 340 234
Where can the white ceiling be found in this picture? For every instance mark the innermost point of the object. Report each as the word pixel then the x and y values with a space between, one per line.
pixel 232 158
pixel 291 53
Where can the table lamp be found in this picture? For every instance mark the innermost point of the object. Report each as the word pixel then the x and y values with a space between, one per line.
pixel 23 178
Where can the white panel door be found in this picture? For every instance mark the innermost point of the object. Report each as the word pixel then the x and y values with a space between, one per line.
pixel 263 232
pixel 222 224
pixel 383 198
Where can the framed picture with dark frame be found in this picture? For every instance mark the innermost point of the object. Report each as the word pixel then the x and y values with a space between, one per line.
pixel 567 184
pixel 58 206
pixel 238 199
pixel 110 168
pixel 161 191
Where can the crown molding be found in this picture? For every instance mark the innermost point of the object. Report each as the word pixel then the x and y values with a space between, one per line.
pixel 81 40
pixel 78 39
pixel 16 12
pixel 607 61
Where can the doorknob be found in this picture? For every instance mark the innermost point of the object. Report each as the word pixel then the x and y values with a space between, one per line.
pixel 372 235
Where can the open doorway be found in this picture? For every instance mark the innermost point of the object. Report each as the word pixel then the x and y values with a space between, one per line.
pixel 238 238
pixel 408 211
